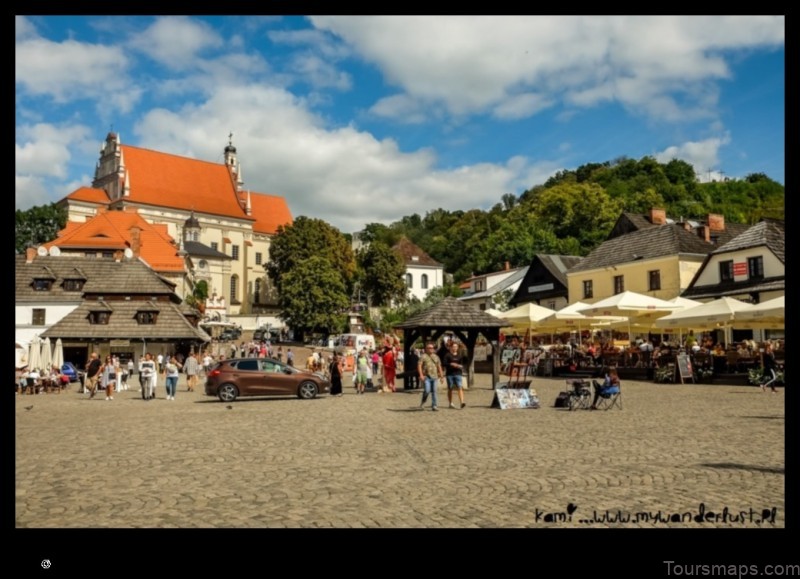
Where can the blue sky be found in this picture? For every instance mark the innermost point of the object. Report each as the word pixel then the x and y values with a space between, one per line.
pixel 367 119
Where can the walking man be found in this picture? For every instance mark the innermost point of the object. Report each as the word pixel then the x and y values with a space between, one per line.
pixel 430 370
pixel 191 368
pixel 93 374
pixel 147 375
pixel 454 363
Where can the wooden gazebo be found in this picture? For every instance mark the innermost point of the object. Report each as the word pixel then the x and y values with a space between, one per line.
pixel 464 321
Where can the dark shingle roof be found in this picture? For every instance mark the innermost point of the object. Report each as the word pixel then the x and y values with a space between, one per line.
pixel 102 276
pixel 646 243
pixel 768 232
pixel 170 324
pixel 413 254
pixel 452 313
pixel 197 249
pixel 557 265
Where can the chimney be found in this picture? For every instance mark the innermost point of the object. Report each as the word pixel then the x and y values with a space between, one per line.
pixel 716 222
pixel 658 216
pixel 30 253
pixel 118 255
pixel 136 242
pixel 704 231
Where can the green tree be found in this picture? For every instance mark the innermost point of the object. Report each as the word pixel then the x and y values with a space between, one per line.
pixel 294 253
pixel 580 210
pixel 313 297
pixel 307 238
pixel 381 272
pixel 197 299
pixel 38 225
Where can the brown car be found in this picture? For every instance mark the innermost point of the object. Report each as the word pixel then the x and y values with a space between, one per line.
pixel 262 377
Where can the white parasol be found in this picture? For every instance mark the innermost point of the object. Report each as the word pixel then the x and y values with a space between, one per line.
pixel 47 357
pixel 35 354
pixel 58 355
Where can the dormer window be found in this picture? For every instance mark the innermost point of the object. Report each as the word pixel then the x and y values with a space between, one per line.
pixel 73 285
pixel 414 258
pixel 42 285
pixel 99 318
pixel 146 318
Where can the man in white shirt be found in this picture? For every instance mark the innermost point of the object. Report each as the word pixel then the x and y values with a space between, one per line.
pixel 148 375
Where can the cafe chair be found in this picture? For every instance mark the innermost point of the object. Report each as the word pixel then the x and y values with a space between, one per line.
pixel 609 398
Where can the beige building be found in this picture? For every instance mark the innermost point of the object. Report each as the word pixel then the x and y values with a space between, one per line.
pixel 652 255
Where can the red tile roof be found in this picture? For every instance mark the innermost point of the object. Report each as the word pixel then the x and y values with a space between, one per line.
pixel 111 230
pixel 270 212
pixel 89 194
pixel 166 180
pixel 412 254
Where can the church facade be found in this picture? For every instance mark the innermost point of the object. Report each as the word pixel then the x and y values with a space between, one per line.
pixel 223 228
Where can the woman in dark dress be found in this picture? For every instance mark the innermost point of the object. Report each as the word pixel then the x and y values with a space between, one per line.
pixel 768 365
pixel 336 371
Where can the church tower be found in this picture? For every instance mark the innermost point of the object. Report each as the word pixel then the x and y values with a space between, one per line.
pixel 110 174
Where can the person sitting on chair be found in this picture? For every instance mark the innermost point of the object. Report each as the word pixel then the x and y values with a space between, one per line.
pixel 611 381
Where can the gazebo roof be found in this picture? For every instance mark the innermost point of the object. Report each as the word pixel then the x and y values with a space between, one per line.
pixel 452 313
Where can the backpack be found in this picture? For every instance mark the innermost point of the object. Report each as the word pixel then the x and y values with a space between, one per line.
pixel 562 400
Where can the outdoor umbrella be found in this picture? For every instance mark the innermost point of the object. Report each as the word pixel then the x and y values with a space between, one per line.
pixel 47 357
pixel 771 313
pixel 717 313
pixel 58 355
pixel 527 315
pixel 640 309
pixel 35 354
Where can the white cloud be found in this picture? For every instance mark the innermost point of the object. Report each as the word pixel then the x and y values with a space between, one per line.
pixel 44 149
pixel 30 191
pixel 656 65
pixel 400 107
pixel 521 106
pixel 72 70
pixel 176 41
pixel 320 73
pixel 23 28
pixel 345 176
pixel 702 155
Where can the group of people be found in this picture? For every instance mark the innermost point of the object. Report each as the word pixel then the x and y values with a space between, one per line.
pixel 111 376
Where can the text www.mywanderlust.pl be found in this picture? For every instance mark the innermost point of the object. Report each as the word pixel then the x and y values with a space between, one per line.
pixel 702 515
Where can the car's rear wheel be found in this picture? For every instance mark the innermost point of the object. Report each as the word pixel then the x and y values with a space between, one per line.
pixel 227 392
pixel 307 390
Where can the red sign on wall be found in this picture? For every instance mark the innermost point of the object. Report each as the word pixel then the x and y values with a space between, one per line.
pixel 740 268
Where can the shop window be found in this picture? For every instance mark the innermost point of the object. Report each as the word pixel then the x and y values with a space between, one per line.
pixel 99 318
pixel 38 318
pixel 654 281
pixel 42 285
pixel 146 318
pixel 755 267
pixel 588 290
pixel 726 270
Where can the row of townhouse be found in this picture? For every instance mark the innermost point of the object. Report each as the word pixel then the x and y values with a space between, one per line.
pixel 655 255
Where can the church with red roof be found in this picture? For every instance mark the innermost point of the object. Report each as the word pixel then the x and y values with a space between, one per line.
pixel 223 228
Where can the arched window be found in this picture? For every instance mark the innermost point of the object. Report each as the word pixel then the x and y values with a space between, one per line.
pixel 409 281
pixel 234 288
pixel 424 281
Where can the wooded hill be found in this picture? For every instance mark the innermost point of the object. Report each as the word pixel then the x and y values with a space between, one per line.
pixel 573 211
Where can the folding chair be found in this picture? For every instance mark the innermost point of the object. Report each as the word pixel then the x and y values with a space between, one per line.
pixel 610 397
pixel 580 396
